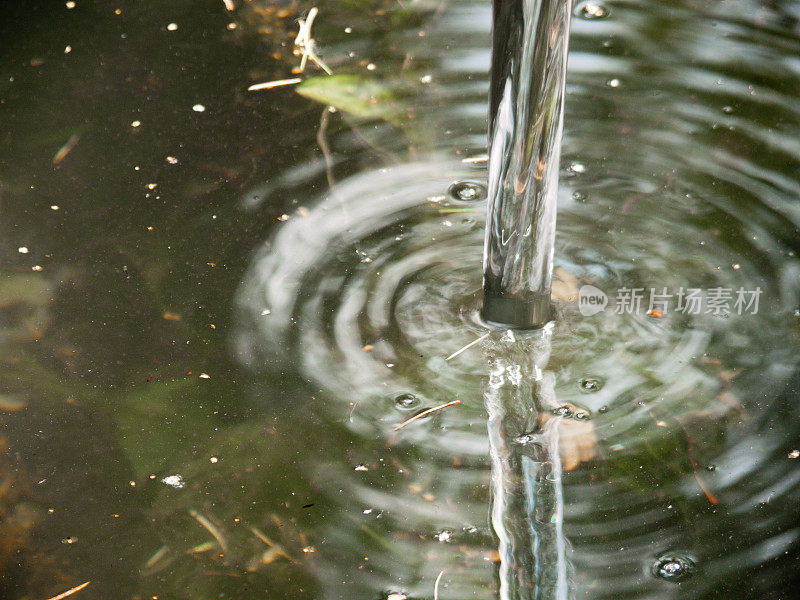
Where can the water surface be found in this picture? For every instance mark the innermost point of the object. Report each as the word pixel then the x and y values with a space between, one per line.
pixel 227 318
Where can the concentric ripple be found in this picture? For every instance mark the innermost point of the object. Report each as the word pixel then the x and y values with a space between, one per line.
pixel 370 292
pixel 674 177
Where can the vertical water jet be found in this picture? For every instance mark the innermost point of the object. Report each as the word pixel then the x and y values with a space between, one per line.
pixel 529 62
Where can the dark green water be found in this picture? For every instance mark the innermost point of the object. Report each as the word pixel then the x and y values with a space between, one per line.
pixel 679 170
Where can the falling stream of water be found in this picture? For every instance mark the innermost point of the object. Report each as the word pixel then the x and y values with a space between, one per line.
pixel 529 63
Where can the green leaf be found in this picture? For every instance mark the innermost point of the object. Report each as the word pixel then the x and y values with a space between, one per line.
pixel 360 97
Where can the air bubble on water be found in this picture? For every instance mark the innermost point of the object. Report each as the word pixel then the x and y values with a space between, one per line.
pixel 582 415
pixel 591 10
pixel 577 167
pixel 711 467
pixel 602 409
pixel 361 468
pixel 396 596
pixel 468 191
pixel 470 529
pixel 562 411
pixel 175 481
pixel 406 401
pixel 590 384
pixel 727 109
pixel 614 83
pixel 673 567
pixel 524 439
pixel 444 536
pixel 579 196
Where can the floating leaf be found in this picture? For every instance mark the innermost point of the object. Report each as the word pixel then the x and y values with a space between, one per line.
pixel 363 98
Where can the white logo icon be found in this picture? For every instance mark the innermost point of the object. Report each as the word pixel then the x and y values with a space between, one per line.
pixel 591 300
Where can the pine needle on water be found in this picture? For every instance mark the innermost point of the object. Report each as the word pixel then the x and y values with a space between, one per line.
pixel 77 588
pixel 425 413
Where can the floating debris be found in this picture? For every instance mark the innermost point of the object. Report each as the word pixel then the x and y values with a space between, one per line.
pixel 211 528
pixel 425 413
pixel 12 403
pixel 273 84
pixel 591 11
pixel 467 347
pixel 85 584
pixel 159 554
pixel 66 148
pixel 175 481
pixel 304 44
pixel 436 585
pixel 481 158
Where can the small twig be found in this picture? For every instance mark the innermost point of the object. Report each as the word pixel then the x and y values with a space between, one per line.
pixel 436 585
pixel 352 410
pixel 426 412
pixel 467 347
pixel 77 588
pixel 268 85
pixel 66 149
pixel 277 549
pixel 223 545
pixel 159 554
pixel 305 45
pixel 323 145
